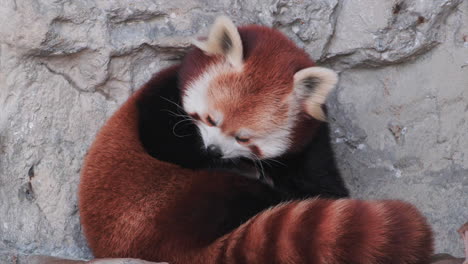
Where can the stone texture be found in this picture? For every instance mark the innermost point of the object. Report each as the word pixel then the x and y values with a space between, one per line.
pixel 399 115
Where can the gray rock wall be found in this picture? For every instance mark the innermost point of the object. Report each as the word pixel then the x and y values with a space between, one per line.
pixel 399 115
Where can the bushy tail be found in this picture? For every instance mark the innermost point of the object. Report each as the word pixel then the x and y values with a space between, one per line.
pixel 329 231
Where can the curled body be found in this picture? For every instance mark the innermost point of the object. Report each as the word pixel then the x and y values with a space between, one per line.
pixel 146 192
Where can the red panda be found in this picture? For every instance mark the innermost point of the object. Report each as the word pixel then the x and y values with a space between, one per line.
pixel 252 94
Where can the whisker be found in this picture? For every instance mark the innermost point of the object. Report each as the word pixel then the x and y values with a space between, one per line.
pixel 172 102
pixel 255 165
pixel 267 163
pixel 262 170
pixel 176 114
pixel 174 128
pixel 277 161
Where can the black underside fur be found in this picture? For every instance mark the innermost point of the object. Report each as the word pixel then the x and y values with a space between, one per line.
pixel 312 172
pixel 168 135
pixel 163 130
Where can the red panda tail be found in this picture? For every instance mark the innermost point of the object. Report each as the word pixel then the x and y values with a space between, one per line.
pixel 328 231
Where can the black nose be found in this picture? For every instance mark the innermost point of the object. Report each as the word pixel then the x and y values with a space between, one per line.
pixel 214 151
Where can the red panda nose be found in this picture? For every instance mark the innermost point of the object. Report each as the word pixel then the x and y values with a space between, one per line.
pixel 214 151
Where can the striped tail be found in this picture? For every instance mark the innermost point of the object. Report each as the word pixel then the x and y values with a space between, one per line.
pixel 321 231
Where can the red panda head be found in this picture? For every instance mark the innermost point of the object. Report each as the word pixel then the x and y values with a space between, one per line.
pixel 252 92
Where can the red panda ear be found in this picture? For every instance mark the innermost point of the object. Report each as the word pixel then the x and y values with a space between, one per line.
pixel 313 85
pixel 223 39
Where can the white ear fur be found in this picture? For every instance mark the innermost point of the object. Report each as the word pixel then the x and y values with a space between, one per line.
pixel 223 39
pixel 314 84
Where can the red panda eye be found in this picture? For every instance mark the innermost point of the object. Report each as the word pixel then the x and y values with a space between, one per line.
pixel 241 139
pixel 211 121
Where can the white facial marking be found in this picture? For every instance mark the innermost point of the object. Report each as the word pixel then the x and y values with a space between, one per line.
pixel 271 145
pixel 217 117
pixel 214 136
pixel 274 144
pixel 195 99
pixel 277 142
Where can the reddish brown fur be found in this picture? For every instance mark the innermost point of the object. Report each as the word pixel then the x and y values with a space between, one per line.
pixel 133 205
pixel 194 116
pixel 130 204
pixel 327 231
pixel 266 84
pixel 303 131
pixel 255 150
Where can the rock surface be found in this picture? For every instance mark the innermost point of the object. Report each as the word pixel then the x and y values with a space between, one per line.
pixel 37 259
pixel 399 115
